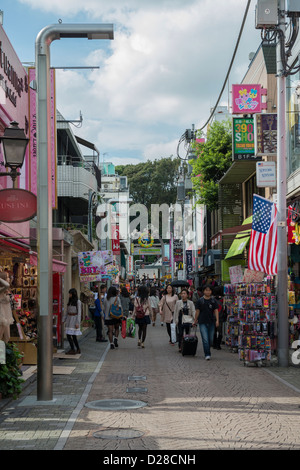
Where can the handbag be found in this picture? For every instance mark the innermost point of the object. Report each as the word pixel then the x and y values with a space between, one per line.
pixel 115 311
pixel 130 328
pixel 123 329
pixel 173 333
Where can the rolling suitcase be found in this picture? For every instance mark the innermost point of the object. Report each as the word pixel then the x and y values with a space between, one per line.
pixel 189 344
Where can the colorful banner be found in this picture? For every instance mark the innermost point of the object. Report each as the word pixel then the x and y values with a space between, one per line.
pixel 243 139
pixel 247 99
pixel 96 266
pixel 189 263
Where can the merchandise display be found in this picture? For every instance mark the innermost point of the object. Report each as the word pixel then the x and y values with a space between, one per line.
pixel 294 308
pixel 251 322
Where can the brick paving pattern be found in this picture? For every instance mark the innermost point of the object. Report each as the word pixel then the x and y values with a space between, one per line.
pixel 192 404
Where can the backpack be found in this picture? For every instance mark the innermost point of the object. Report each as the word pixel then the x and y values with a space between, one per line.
pixel 139 310
pixel 115 310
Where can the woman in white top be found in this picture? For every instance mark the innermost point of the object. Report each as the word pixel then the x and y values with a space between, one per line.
pixel 184 315
pixel 72 320
pixel 167 307
pixel 154 302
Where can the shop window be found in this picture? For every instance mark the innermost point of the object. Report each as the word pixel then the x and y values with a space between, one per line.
pixel 293 131
pixel 250 190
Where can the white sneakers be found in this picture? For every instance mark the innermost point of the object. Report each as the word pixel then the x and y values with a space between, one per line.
pixel 207 358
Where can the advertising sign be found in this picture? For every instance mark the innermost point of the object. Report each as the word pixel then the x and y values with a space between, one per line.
pixel 247 99
pixel 17 205
pixel 265 174
pixel 32 129
pixel 189 263
pixel 115 239
pixel 243 139
pixel 265 134
pixel 96 265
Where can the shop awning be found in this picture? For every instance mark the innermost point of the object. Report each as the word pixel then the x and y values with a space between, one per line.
pixel 57 266
pixel 241 241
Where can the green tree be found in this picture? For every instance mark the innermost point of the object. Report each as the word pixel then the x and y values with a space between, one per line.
pixel 214 159
pixel 152 182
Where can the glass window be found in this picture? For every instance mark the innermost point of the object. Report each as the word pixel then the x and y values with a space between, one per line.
pixel 293 122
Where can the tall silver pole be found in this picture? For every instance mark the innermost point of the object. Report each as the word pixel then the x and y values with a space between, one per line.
pixel 44 232
pixel 282 278
pixel 44 214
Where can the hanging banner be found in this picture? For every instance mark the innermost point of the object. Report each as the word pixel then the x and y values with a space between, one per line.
pixel 96 265
pixel 189 263
pixel 265 134
pixel 115 239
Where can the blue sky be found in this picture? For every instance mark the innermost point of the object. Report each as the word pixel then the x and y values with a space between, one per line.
pixel 161 74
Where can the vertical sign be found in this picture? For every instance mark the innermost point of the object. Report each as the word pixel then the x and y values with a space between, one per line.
pixel 243 139
pixel 189 263
pixel 32 130
pixel 115 239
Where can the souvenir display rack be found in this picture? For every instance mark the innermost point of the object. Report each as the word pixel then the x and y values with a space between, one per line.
pixel 253 307
pixel 294 308
pixel 232 321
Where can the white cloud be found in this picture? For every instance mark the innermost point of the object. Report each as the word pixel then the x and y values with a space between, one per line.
pixel 163 71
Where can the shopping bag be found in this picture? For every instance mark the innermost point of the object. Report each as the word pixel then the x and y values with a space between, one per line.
pixel 123 329
pixel 130 328
pixel 173 333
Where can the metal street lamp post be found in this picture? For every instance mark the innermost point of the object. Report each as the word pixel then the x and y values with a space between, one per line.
pixel 44 214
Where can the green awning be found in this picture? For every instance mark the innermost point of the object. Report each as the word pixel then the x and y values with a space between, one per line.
pixel 241 241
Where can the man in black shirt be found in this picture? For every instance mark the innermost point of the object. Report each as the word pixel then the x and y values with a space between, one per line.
pixel 207 315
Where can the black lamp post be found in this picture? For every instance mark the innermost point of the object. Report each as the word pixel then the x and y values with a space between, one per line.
pixel 14 143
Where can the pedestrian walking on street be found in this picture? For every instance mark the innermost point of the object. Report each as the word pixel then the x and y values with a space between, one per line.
pixel 113 324
pixel 218 295
pixel 125 301
pixel 98 319
pixel 207 315
pixel 154 301
pixel 72 320
pixel 167 307
pixel 184 316
pixel 142 313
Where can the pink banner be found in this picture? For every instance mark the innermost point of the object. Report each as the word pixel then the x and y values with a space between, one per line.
pixel 32 130
pixel 246 99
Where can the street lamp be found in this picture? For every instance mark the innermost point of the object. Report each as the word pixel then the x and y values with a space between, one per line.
pixel 14 143
pixel 44 213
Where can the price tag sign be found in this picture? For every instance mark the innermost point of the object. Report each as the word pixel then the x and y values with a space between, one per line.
pixel 243 139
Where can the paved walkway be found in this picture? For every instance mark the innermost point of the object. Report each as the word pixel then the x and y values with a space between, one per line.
pixel 183 403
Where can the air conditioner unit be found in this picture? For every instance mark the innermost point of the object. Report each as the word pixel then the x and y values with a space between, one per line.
pixel 106 186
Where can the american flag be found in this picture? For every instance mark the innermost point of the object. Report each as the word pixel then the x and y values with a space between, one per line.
pixel 263 240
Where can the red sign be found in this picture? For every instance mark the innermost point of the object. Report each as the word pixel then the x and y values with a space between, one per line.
pixel 17 205
pixel 115 239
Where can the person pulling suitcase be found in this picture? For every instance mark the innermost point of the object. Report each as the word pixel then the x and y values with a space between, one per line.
pixel 184 316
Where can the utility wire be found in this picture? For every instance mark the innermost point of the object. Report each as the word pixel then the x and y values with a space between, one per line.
pixel 231 64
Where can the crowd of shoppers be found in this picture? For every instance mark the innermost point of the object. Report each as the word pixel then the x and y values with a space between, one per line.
pixel 187 309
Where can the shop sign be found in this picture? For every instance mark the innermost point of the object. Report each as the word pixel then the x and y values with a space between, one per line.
pixel 96 265
pixel 243 139
pixel 265 134
pixel 189 263
pixel 247 99
pixel 115 239
pixel 265 174
pixel 17 205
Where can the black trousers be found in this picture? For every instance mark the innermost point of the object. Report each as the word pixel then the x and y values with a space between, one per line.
pixel 73 342
pixel 98 326
pixel 182 328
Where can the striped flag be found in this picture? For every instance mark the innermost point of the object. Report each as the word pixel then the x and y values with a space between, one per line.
pixel 263 240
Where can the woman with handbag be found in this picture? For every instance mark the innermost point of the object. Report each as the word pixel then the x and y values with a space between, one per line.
pixel 184 315
pixel 72 320
pixel 142 313
pixel 112 316
pixel 167 307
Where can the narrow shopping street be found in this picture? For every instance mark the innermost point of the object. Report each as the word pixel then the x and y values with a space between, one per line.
pixel 184 403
